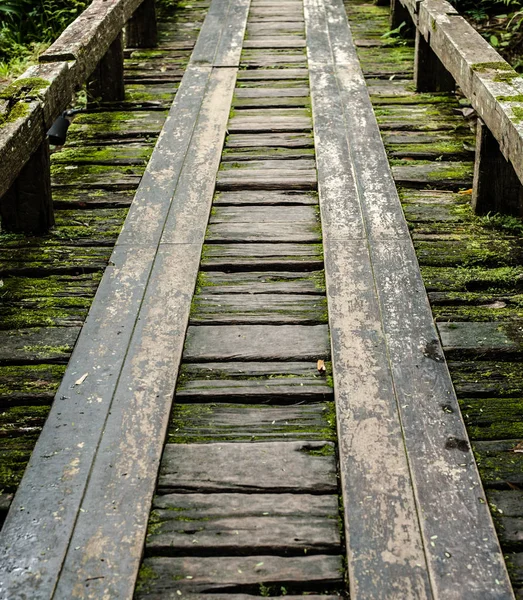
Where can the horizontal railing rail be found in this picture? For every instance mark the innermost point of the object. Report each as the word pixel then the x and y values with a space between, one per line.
pixel 449 51
pixel 90 49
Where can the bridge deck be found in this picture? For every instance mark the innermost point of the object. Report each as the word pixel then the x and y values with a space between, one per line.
pixel 265 277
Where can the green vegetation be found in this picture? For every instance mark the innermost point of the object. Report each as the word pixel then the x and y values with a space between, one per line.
pixel 27 27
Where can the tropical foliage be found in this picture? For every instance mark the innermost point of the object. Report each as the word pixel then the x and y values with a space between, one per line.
pixel 28 26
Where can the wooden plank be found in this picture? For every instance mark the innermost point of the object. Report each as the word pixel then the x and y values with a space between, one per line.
pixel 405 358
pixel 380 514
pixel 147 215
pixel 242 524
pixel 269 124
pixel 275 42
pixel 268 179
pixel 49 344
pixel 265 92
pixel 419 368
pixel 243 309
pixel 299 165
pixel 269 140
pixel 191 203
pixel 263 214
pixel 223 575
pixel 266 197
pixel 500 465
pixel 266 153
pixel 206 46
pixel 57 473
pixel 222 422
pixel 483 339
pixel 266 467
pixel 230 46
pixel 257 342
pixel 263 232
pixel 272 74
pixel 128 454
pixel 261 256
pixel 92 395
pixel 262 282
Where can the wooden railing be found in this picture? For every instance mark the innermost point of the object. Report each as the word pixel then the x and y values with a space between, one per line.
pixel 90 49
pixel 449 51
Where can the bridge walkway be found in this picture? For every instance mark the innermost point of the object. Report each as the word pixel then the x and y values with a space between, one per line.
pixel 306 368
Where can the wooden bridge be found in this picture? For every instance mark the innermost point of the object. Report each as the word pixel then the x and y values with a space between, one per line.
pixel 291 202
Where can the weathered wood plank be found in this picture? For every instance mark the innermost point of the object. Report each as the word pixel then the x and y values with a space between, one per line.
pixel 240 524
pixel 257 342
pixel 268 179
pixel 191 203
pixel 126 463
pixel 215 21
pixel 220 422
pixel 101 351
pixel 146 218
pixel 244 309
pixel 53 473
pixel 247 167
pixel 266 197
pixel 263 214
pixel 266 467
pixel 398 323
pixel 268 124
pixel 226 575
pixel 500 466
pixel 274 42
pixel 229 48
pixel 419 368
pixel 272 74
pixel 481 339
pixel 263 232
pixel 254 282
pixel 241 257
pixel 49 344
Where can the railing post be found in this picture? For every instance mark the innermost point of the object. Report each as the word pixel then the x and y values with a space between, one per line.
pixel 429 73
pixel 27 207
pixel 106 83
pixel 141 29
pixel 398 15
pixel 496 186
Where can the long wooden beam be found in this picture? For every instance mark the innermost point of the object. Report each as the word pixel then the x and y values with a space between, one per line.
pixel 417 521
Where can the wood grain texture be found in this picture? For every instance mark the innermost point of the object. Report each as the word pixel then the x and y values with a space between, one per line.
pixel 226 422
pixel 243 524
pixel 282 467
pixel 268 197
pixel 240 309
pixel 257 342
pixel 215 575
pixel 260 282
pixel 241 257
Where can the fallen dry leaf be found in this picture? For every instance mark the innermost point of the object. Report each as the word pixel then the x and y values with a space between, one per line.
pixel 518 448
pixel 320 365
pixel 81 380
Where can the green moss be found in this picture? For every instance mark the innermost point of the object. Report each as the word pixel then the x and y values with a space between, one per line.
pixel 492 66
pixel 27 88
pixel 145 576
pixel 518 98
pixel 325 450
pixel 18 111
